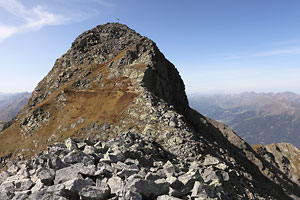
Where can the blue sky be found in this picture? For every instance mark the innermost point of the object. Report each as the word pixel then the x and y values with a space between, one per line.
pixel 226 46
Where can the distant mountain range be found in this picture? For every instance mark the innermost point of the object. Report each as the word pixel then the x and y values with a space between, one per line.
pixel 259 118
pixel 10 104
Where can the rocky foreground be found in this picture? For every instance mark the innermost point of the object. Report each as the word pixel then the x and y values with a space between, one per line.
pixel 127 167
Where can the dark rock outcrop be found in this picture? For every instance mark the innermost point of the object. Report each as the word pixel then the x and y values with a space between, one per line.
pixel 284 156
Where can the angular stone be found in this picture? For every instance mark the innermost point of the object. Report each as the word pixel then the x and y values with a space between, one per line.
pixel 133 195
pixel 116 185
pixel 37 187
pixel 88 141
pixel 3 176
pixel 68 173
pixel 175 140
pixel 158 164
pixel 81 145
pixel 104 165
pixel 104 169
pixel 125 173
pixel 130 161
pixel 46 176
pixel 175 183
pixel 12 168
pixel 56 188
pixel 225 175
pixel 57 149
pixel 169 168
pixel 24 195
pixel 119 166
pixel 55 192
pixel 94 193
pixel 6 194
pixel 210 160
pixel 7 186
pixel 188 179
pixel 190 175
pixel 90 150
pixel 15 178
pixel 213 188
pixel 89 170
pixel 70 144
pixel 23 172
pixel 24 184
pixel 101 147
pixel 143 172
pixel 73 187
pixel 197 189
pixel 221 166
pixel 195 165
pixel 172 124
pixel 148 189
pixel 177 193
pixel 57 163
pixel 161 181
pixel 46 196
pixel 152 176
pixel 113 158
pixel 209 174
pixel 101 181
pixel 166 197
pixel 77 156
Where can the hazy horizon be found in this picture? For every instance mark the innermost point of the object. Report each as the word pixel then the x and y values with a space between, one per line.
pixel 192 93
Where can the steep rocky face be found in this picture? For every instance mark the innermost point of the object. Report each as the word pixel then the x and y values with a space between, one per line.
pixel 114 81
pixel 124 53
pixel 91 87
pixel 284 156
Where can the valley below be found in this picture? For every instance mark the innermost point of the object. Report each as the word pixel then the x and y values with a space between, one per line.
pixel 259 118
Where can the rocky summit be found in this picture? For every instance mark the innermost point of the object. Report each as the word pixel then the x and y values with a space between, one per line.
pixel 111 120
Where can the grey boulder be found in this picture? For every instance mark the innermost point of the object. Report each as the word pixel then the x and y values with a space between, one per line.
pixel 95 193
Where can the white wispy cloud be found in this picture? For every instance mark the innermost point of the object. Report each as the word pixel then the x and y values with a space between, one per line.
pixel 27 18
pixel 266 53
pixel 6 31
pixel 286 51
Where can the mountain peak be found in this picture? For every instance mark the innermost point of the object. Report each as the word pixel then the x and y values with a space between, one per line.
pixel 110 38
pixel 114 81
pixel 110 78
